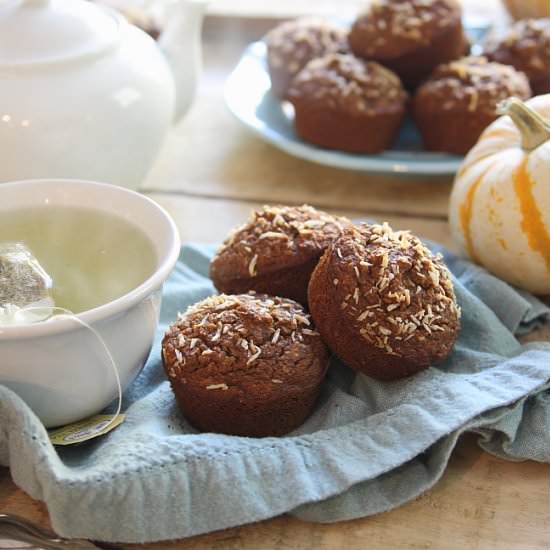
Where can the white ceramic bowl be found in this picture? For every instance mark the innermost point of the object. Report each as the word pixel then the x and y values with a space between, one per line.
pixel 58 367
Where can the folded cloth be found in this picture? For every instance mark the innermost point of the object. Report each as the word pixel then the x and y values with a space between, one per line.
pixel 368 447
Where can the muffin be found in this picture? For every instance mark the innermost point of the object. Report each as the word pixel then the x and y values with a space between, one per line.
pixel 383 302
pixel 245 365
pixel 526 46
pixel 293 43
pixel 459 100
pixel 346 103
pixel 411 37
pixel 275 251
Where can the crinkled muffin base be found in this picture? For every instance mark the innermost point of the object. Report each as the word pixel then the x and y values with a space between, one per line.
pixel 335 129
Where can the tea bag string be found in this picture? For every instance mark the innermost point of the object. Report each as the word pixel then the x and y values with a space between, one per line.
pixel 68 314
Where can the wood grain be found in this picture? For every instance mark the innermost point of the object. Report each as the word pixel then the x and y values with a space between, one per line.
pixel 481 503
pixel 241 166
pixel 210 219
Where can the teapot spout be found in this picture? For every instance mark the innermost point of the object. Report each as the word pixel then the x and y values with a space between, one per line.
pixel 181 43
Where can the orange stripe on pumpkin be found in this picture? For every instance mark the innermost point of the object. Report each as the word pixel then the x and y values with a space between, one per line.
pixel 465 213
pixel 500 133
pixel 532 223
pixel 502 243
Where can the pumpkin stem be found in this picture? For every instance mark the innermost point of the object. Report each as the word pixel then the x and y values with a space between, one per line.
pixel 534 129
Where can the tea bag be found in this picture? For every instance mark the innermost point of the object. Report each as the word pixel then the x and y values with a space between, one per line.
pixel 24 286
pixel 25 298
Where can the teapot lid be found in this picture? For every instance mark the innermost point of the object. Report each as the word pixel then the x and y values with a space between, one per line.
pixel 49 31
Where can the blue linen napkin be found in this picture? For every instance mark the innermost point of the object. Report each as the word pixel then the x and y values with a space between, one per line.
pixel 368 447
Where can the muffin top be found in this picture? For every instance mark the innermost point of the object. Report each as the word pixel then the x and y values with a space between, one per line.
pixel 246 342
pixel 275 237
pixel 351 84
pixel 390 28
pixel 525 45
pixel 293 43
pixel 472 84
pixel 395 292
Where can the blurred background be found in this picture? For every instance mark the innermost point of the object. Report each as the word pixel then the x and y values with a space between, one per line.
pixel 150 13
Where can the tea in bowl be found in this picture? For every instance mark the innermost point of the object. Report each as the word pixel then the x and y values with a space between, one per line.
pixel 102 253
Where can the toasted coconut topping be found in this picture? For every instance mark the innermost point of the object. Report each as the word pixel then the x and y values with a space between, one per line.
pixel 355 85
pixel 293 43
pixel 217 387
pixel 525 44
pixel 413 21
pixel 404 289
pixel 473 84
pixel 225 335
pixel 274 234
pixel 252 265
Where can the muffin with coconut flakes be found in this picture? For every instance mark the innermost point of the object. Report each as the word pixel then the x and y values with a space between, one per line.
pixel 459 100
pixel 246 364
pixel 384 303
pixel 411 37
pixel 526 46
pixel 345 103
pixel 292 44
pixel 275 251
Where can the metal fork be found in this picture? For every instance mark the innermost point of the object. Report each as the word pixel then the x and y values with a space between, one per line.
pixel 17 529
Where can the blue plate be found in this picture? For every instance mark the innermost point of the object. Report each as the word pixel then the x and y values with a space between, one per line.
pixel 247 95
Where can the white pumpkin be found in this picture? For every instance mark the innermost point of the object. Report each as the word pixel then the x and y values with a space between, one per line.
pixel 500 203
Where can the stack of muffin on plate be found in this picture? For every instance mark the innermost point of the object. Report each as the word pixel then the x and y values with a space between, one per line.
pixel 352 87
pixel 298 283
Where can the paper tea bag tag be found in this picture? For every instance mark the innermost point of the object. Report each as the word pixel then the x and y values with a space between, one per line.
pixel 24 286
pixel 84 430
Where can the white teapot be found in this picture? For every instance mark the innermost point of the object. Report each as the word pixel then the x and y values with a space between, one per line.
pixel 84 94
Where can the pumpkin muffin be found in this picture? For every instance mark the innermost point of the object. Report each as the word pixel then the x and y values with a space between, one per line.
pixel 275 251
pixel 346 103
pixel 459 100
pixel 526 46
pixel 411 37
pixel 383 302
pixel 246 365
pixel 293 43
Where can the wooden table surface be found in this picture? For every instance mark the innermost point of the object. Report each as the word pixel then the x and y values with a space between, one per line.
pixel 211 173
